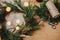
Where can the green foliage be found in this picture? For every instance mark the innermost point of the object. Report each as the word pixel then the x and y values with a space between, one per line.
pixel 11 36
pixel 15 7
pixel 35 28
pixel 29 11
pixel 18 2
pixel 58 6
pixel 12 6
pixel 42 11
pixel 0 5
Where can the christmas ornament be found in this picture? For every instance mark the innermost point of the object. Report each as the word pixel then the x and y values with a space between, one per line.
pixel 22 2
pixel 31 2
pixel 14 19
pixel 8 9
pixel 26 4
pixel 52 9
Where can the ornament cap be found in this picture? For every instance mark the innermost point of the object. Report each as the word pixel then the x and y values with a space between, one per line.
pixel 26 4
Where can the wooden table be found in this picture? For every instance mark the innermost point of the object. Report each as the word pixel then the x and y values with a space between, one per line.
pixel 46 33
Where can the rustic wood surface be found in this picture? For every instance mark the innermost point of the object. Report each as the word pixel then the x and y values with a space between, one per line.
pixel 46 33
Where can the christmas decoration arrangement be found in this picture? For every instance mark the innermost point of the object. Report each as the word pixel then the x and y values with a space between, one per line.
pixel 19 20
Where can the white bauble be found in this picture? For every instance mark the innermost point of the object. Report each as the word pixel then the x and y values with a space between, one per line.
pixel 14 19
pixel 22 2
pixel 32 2
pixel 26 4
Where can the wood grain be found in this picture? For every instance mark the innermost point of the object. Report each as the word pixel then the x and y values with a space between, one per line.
pixel 46 33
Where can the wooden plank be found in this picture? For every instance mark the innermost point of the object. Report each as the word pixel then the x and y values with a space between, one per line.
pixel 46 33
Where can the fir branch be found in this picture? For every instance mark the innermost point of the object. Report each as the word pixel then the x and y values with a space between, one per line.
pixel 29 11
pixel 14 6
